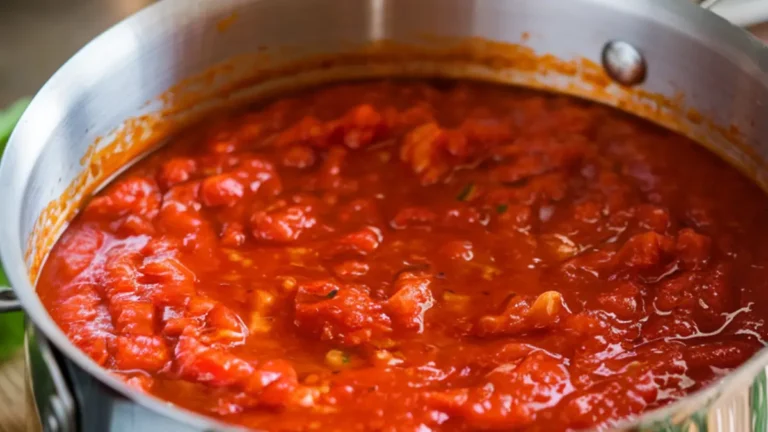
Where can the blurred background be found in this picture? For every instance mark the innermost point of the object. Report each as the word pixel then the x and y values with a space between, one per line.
pixel 38 36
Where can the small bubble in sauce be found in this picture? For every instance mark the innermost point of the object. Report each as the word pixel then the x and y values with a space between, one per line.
pixel 546 212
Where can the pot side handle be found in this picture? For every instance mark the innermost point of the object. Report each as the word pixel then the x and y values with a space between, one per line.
pixel 8 300
pixel 54 403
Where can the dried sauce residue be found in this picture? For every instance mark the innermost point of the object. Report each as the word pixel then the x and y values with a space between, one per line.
pixel 224 24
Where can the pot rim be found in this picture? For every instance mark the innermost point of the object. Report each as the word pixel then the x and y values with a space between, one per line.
pixel 12 255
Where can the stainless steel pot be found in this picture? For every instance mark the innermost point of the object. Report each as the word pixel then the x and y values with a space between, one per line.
pixel 718 69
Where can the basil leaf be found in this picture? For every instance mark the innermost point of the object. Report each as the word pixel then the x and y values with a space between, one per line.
pixel 466 193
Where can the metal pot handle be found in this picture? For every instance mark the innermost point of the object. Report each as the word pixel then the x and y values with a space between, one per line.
pixel 54 402
pixel 8 300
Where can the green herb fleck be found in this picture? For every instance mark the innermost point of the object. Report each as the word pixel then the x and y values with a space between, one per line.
pixel 345 358
pixel 466 192
pixel 501 208
pixel 332 294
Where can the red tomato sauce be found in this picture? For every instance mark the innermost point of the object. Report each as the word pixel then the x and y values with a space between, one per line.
pixel 413 256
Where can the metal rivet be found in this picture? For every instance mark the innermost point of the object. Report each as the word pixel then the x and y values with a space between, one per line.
pixel 624 63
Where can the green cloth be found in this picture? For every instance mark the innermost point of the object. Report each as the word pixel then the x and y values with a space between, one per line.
pixel 8 119
pixel 12 323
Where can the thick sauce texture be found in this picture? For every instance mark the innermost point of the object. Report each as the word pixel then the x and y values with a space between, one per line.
pixel 414 256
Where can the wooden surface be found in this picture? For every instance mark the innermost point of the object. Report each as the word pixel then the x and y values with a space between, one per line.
pixel 13 404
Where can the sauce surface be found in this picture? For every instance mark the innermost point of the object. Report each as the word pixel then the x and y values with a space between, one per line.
pixel 413 256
